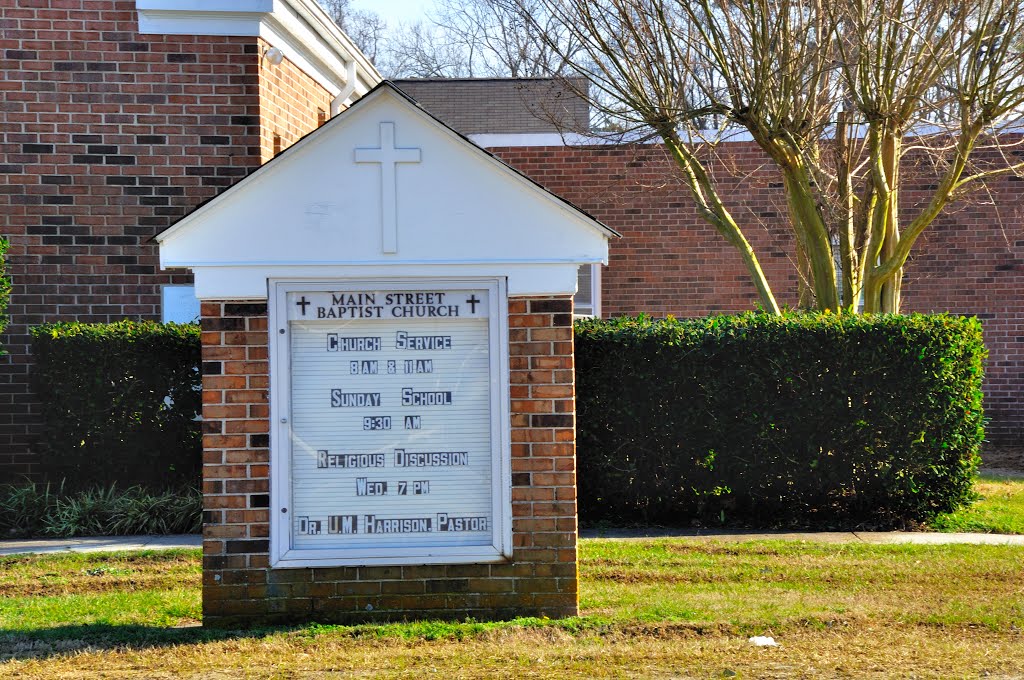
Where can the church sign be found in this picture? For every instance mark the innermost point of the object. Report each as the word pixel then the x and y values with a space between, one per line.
pixel 389 386
pixel 390 417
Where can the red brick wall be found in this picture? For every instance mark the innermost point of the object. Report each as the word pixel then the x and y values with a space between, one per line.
pixel 108 137
pixel 290 103
pixel 669 261
pixel 238 586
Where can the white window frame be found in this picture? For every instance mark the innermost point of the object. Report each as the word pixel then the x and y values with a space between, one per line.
pixel 282 555
pixel 595 293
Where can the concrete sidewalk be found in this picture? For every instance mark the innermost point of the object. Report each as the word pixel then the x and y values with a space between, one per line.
pixel 99 543
pixel 875 537
pixel 117 543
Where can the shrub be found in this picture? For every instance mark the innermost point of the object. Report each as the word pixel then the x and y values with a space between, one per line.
pixel 23 507
pixel 36 510
pixel 5 288
pixel 120 403
pixel 801 419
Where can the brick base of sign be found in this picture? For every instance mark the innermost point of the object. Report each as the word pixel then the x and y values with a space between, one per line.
pixel 239 587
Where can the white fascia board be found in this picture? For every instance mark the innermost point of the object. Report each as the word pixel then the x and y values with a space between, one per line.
pixel 174 22
pixel 229 6
pixel 250 283
pixel 300 28
pixel 328 32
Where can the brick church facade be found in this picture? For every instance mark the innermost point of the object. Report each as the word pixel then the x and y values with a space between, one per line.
pixel 120 116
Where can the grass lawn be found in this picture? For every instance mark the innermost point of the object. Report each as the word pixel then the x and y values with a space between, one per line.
pixel 999 510
pixel 650 608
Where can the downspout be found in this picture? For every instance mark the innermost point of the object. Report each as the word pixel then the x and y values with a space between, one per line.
pixel 339 102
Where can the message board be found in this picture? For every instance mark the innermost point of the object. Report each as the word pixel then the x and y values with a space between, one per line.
pixel 395 423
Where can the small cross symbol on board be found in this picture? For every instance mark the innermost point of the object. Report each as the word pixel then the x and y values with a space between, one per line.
pixel 472 302
pixel 303 303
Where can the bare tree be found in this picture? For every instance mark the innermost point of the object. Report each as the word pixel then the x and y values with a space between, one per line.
pixel 839 94
pixel 475 38
pixel 498 40
pixel 366 28
pixel 422 50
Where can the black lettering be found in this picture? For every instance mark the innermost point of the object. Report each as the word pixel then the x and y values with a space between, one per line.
pixel 446 522
pixel 353 300
pixel 326 460
pixel 336 343
pixel 342 524
pixel 341 399
pixel 422 342
pixel 405 458
pixel 413 398
pixel 407 525
pixel 364 487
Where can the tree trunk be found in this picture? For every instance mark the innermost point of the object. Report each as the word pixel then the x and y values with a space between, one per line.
pixel 812 237
pixel 712 209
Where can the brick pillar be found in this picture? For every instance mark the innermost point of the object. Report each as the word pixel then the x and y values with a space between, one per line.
pixel 236 455
pixel 239 588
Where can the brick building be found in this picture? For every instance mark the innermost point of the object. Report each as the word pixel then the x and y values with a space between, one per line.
pixel 119 116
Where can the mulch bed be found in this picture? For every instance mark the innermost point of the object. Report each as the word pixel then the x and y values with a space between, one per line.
pixel 1003 459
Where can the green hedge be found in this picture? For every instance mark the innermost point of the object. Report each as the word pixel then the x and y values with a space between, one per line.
pixel 761 420
pixel 119 403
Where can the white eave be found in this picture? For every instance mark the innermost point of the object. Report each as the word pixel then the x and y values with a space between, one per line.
pixel 300 28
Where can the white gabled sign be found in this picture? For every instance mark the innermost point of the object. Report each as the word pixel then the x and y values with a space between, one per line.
pixel 383 190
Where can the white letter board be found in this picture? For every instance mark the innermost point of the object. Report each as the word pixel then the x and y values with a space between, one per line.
pixel 389 412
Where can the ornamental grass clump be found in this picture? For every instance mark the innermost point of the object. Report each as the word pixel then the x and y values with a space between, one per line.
pixel 40 510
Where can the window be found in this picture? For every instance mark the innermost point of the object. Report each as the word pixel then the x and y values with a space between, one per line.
pixel 587 301
pixel 179 304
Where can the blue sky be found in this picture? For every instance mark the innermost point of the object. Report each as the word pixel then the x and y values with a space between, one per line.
pixel 394 11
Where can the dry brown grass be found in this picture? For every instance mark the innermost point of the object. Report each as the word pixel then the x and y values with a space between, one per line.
pixel 655 609
pixel 857 649
pixel 48 575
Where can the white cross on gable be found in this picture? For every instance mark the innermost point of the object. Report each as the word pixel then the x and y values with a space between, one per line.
pixel 389 157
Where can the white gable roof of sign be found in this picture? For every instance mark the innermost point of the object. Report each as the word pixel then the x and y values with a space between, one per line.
pixel 383 189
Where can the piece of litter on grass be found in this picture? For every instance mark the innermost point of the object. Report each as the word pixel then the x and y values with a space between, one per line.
pixel 763 641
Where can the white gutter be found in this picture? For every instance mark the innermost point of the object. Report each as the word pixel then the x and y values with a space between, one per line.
pixel 341 102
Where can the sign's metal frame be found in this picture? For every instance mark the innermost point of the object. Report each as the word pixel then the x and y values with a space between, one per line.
pixel 282 554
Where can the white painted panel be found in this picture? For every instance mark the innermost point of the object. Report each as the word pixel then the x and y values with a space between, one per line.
pixel 250 283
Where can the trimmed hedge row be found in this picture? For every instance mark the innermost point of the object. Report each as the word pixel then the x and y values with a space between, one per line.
pixel 120 403
pixel 763 420
pixel 802 419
